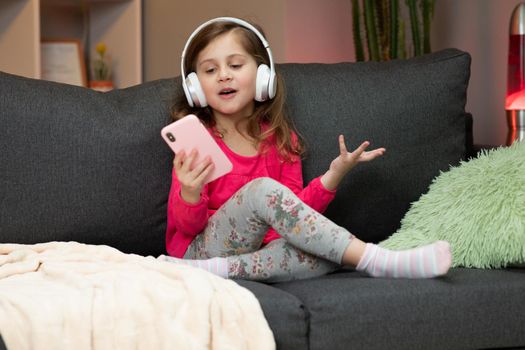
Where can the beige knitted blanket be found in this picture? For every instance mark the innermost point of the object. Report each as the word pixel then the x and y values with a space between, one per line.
pixel 67 295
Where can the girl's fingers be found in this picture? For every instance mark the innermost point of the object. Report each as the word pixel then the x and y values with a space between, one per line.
pixel 188 160
pixel 179 159
pixel 361 148
pixel 195 178
pixel 342 146
pixel 196 174
pixel 201 166
pixel 204 173
pixel 373 154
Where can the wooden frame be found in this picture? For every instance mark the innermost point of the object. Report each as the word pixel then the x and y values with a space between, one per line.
pixel 63 61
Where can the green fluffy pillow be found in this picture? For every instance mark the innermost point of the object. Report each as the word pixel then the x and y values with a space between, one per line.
pixel 478 207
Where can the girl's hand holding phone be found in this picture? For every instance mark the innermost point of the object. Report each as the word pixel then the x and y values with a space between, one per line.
pixel 205 161
pixel 192 180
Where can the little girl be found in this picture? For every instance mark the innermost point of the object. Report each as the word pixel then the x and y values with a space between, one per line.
pixel 258 222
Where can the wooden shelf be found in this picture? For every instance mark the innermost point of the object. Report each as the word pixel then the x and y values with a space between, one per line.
pixel 20 37
pixel 117 23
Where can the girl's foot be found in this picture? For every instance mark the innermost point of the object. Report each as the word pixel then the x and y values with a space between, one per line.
pixel 423 262
pixel 217 266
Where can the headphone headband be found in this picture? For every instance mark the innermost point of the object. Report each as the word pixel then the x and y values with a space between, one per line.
pixel 244 24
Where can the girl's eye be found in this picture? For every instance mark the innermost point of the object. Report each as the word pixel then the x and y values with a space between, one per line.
pixel 236 66
pixel 209 70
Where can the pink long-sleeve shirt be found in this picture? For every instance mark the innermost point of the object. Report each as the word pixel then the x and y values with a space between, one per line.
pixel 186 221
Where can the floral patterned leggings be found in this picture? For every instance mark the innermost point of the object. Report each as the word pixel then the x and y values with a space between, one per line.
pixel 311 245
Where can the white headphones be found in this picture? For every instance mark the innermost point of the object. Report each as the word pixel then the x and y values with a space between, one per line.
pixel 265 83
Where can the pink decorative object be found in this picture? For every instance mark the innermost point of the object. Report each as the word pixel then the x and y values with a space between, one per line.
pixel 515 98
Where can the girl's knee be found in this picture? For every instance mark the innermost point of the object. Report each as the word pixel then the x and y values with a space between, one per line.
pixel 257 190
pixel 261 182
pixel 265 185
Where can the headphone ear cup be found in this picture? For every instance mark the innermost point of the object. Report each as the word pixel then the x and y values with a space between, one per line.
pixel 194 93
pixel 262 83
pixel 272 85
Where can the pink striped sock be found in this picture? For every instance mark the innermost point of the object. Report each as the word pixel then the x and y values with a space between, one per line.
pixel 423 262
pixel 217 266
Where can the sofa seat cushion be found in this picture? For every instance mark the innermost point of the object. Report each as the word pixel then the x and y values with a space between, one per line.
pixel 285 313
pixel 468 308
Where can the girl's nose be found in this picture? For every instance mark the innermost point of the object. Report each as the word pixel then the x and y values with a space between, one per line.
pixel 224 75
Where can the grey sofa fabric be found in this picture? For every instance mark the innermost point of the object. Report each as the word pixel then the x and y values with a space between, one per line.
pixel 286 314
pixel 466 309
pixel 82 165
pixel 85 164
pixel 414 108
pixel 92 167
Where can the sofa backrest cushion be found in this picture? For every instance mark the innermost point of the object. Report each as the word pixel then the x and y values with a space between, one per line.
pixel 415 108
pixel 82 165
pixel 91 167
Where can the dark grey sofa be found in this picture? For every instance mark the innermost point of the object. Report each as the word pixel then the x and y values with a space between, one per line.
pixel 91 167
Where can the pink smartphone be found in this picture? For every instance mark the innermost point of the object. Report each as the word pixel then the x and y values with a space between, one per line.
pixel 188 133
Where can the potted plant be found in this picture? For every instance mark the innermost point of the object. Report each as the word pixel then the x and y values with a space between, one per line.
pixel 383 23
pixel 101 70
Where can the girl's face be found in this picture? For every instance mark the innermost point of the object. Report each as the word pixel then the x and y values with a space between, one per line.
pixel 227 74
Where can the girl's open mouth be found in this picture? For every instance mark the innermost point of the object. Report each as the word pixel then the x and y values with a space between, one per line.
pixel 227 91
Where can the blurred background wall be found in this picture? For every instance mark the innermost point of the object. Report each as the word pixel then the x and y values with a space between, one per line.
pixel 321 31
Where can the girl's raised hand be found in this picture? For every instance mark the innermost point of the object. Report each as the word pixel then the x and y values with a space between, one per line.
pixel 345 161
pixel 192 180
